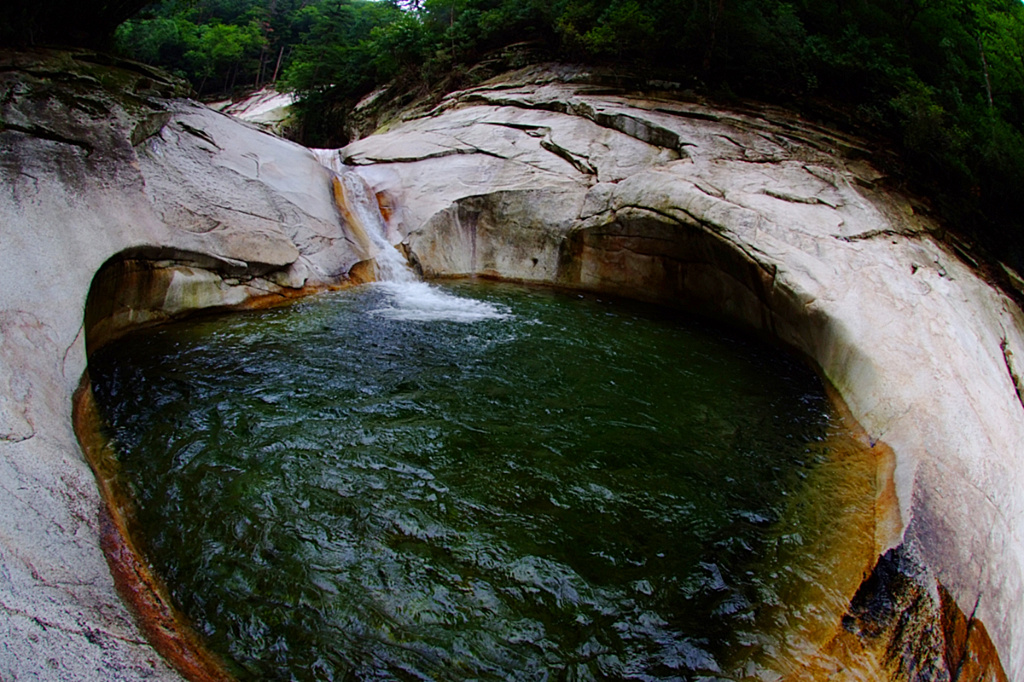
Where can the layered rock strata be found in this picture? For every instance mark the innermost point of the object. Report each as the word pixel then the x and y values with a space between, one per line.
pixel 783 227
pixel 104 169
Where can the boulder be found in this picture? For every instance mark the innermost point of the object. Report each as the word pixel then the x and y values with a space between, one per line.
pixel 266 108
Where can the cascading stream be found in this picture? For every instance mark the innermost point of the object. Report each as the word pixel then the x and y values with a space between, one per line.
pixel 363 207
pixel 408 297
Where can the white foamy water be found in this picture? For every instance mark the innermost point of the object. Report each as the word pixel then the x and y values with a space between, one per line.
pixel 329 158
pixel 420 302
pixel 362 203
pixel 407 297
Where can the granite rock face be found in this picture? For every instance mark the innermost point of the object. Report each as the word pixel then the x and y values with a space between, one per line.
pixel 103 163
pixel 771 222
pixel 113 184
pixel 265 108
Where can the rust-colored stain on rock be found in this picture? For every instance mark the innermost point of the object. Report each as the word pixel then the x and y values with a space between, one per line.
pixel 353 223
pixel 386 204
pixel 908 645
pixel 886 519
pixel 165 628
pixel 969 652
pixel 130 294
pixel 893 628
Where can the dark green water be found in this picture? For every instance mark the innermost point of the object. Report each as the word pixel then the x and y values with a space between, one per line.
pixel 386 484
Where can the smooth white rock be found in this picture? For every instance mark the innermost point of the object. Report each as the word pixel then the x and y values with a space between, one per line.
pixel 911 336
pixel 201 186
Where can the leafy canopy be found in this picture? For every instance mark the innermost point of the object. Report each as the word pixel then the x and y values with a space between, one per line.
pixel 940 81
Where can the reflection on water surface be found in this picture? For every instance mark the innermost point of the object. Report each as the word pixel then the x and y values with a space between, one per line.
pixel 394 483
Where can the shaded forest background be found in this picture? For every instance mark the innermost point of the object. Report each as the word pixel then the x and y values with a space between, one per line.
pixel 938 82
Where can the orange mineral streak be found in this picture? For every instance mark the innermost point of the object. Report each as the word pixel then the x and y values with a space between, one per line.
pixel 850 509
pixel 969 653
pixel 164 627
pixel 356 227
pixel 386 204
pixel 886 518
pixel 841 655
pixel 363 272
pixel 130 294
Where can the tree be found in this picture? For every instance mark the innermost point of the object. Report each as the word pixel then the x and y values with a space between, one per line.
pixel 225 49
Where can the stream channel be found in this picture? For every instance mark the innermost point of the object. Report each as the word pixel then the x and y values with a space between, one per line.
pixel 487 481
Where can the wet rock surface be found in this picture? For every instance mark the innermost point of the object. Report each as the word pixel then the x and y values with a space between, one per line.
pixel 757 216
pixel 99 162
pixel 902 624
pixel 776 224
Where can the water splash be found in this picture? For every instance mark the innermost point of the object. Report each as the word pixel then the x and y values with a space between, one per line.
pixel 409 299
pixel 420 302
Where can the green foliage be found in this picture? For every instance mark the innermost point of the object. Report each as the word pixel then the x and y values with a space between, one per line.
pixel 217 44
pixel 397 45
pixel 161 40
pixel 623 28
pixel 942 80
pixel 339 49
pixel 217 48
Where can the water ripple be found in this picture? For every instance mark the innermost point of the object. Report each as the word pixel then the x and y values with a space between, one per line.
pixel 404 482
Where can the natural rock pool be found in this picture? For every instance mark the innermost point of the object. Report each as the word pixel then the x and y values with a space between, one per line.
pixel 483 481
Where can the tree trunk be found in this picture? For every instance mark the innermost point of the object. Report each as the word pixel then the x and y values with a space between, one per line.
pixel 714 18
pixel 278 67
pixel 984 66
pixel 260 68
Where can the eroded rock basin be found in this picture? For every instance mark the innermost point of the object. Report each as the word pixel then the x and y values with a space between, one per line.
pixel 398 482
pixel 763 219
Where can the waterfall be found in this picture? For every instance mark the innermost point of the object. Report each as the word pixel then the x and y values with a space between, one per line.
pixel 407 298
pixel 362 207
